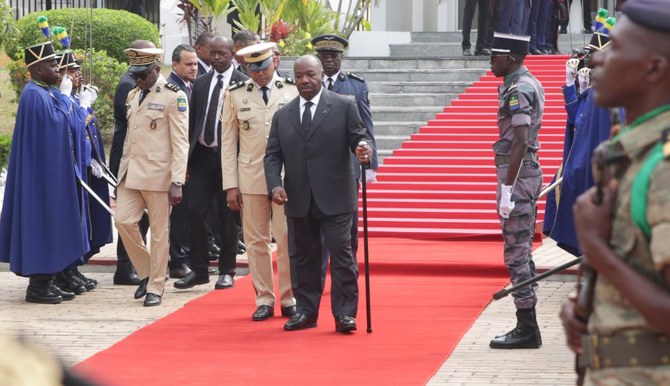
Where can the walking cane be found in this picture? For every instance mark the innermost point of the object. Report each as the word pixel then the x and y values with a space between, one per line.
pixel 365 244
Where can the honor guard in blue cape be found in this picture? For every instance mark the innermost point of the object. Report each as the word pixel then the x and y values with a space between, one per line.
pixel 587 126
pixel 330 51
pixel 519 178
pixel 40 224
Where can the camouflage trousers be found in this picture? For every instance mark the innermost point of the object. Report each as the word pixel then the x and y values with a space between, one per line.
pixel 629 376
pixel 518 229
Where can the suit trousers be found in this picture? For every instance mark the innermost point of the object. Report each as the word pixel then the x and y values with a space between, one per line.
pixel 130 204
pixel 123 263
pixel 260 220
pixel 482 23
pixel 179 237
pixel 305 252
pixel 205 185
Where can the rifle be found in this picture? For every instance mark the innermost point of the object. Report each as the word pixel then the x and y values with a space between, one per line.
pixel 600 161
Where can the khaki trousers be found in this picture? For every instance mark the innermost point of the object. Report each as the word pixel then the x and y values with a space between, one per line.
pixel 130 204
pixel 261 219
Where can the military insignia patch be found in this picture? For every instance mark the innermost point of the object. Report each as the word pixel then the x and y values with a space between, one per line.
pixel 182 105
pixel 280 105
pixel 514 102
pixel 245 125
pixel 153 124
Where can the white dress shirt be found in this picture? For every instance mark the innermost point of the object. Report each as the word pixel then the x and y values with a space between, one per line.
pixel 215 78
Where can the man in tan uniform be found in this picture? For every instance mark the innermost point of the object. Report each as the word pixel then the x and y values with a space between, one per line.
pixel 152 169
pixel 625 234
pixel 248 110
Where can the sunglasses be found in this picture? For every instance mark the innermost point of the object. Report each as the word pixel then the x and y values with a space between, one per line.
pixel 141 75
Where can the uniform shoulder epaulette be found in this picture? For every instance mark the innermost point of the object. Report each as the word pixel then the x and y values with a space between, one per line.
pixel 172 86
pixel 356 76
pixel 289 80
pixel 235 86
pixel 132 93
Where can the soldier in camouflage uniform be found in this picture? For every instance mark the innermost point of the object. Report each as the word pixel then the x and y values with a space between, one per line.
pixel 519 175
pixel 626 239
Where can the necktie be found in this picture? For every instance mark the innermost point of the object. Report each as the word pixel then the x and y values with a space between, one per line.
pixel 265 94
pixel 143 95
pixel 212 122
pixel 188 87
pixel 330 83
pixel 307 118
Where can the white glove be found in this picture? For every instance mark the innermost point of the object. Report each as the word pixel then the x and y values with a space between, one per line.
pixel 506 203
pixel 85 98
pixel 571 71
pixel 66 85
pixel 370 176
pixel 584 78
pixel 96 169
pixel 94 92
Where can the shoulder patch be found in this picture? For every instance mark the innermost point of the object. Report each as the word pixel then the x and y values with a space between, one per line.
pixel 514 102
pixel 172 86
pixel 356 76
pixel 235 86
pixel 182 104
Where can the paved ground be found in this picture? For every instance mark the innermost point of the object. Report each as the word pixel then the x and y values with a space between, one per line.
pixel 77 329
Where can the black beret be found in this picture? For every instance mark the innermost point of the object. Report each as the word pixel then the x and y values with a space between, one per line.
pixel 652 14
pixel 510 44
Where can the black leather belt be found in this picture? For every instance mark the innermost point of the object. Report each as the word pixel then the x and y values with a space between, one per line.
pixel 504 159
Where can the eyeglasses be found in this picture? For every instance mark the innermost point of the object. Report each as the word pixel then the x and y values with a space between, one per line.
pixel 141 75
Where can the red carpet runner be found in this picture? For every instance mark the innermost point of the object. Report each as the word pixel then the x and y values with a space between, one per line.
pixel 425 295
pixel 441 183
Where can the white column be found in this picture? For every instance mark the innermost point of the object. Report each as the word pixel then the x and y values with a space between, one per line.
pixel 417 15
pixel 378 16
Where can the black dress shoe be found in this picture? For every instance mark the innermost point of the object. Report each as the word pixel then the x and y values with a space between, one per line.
pixel 535 51
pixel 213 251
pixel 142 289
pixel 179 271
pixel 263 312
pixel 467 52
pixel 126 278
pixel 42 294
pixel 241 248
pixel 300 322
pixel 64 294
pixel 344 323
pixel 289 311
pixel 191 280
pixel 152 300
pixel 483 52
pixel 225 281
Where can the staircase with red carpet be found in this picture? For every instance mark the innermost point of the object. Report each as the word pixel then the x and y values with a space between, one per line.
pixel 441 182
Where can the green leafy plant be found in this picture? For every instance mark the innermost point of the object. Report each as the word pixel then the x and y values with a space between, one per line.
pixel 248 19
pixel 212 12
pixel 112 30
pixel 5 147
pixel 8 30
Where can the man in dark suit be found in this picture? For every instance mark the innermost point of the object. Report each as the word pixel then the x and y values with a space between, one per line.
pixel 202 50
pixel 125 273
pixel 204 168
pixel 241 39
pixel 184 72
pixel 319 191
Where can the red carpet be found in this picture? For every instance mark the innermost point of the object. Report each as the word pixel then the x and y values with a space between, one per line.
pixel 425 295
pixel 441 182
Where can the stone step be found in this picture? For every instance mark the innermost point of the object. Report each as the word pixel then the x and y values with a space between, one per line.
pixel 414 99
pixel 454 87
pixel 441 37
pixel 354 64
pixel 422 75
pixel 397 128
pixel 405 113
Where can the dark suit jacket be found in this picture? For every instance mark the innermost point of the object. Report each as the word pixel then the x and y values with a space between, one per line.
pixel 175 79
pixel 201 70
pixel 126 83
pixel 199 105
pixel 318 164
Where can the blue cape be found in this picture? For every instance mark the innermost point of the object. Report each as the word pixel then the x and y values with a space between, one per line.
pixel 40 226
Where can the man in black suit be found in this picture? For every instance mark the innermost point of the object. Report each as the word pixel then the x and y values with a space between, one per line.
pixel 125 273
pixel 204 168
pixel 242 39
pixel 319 191
pixel 184 72
pixel 202 50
